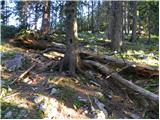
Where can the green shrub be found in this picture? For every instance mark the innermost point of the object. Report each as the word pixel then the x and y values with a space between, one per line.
pixel 8 31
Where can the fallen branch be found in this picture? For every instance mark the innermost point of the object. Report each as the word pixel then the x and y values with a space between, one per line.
pixel 123 81
pixel 24 74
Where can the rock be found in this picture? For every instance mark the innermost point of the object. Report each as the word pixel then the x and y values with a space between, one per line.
pixel 110 94
pixel 134 116
pixel 103 112
pixel 152 54
pixel 8 114
pixel 2 83
pixel 42 107
pixel 14 63
pixel 82 99
pixel 141 56
pixel 53 91
pixel 145 57
pixel 53 113
pixel 1 54
pixel 100 115
pixel 22 114
pixel 38 99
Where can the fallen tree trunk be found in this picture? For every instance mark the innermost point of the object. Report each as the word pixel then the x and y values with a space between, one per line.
pixel 123 81
pixel 85 54
pixel 142 68
pixel 39 44
pixel 107 59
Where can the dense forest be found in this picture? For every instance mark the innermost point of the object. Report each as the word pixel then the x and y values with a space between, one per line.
pixel 79 59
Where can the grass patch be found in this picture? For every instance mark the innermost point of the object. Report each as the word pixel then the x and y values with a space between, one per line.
pixel 78 104
pixel 13 108
pixel 65 93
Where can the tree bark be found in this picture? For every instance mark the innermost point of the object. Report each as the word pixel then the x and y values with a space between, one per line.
pixel 117 24
pixel 88 16
pixel 98 18
pixel 149 24
pixel 128 17
pixel 71 57
pixel 46 18
pixel 92 18
pixel 109 19
pixel 134 23
pixel 24 16
pixel 36 15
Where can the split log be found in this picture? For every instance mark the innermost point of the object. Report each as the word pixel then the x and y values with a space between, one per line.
pixel 115 76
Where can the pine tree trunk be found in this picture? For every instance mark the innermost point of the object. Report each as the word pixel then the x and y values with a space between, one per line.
pixel 109 19
pixel 117 24
pixel 24 13
pixel 36 16
pixel 46 19
pixel 128 15
pixel 92 18
pixel 88 16
pixel 71 57
pixel 149 22
pixel 134 24
pixel 98 20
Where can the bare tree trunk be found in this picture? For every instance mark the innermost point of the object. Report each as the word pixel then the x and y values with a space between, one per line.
pixel 117 24
pixel 109 19
pixel 71 56
pixel 128 28
pixel 125 18
pixel 88 16
pixel 149 25
pixel 36 15
pixel 92 18
pixel 134 24
pixel 98 20
pixel 24 16
pixel 46 18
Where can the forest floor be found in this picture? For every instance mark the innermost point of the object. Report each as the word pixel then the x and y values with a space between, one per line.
pixel 48 94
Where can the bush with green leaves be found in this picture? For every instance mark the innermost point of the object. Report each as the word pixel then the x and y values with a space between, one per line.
pixel 8 31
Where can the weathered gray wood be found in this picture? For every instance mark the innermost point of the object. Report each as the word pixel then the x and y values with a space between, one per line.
pixel 123 81
pixel 24 73
pixel 107 59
